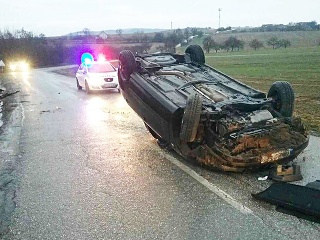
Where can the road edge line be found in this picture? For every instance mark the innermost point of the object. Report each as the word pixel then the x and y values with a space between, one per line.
pixel 216 190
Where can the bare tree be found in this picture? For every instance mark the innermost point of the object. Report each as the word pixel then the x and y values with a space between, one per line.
pixel 86 32
pixel 171 41
pixel 187 33
pixel 255 44
pixel 207 43
pixel 119 32
pixel 284 43
pixel 158 37
pixel 233 42
pixel 273 41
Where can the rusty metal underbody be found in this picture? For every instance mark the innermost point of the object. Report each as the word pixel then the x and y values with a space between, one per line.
pixel 281 144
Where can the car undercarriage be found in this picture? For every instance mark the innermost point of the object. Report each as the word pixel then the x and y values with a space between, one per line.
pixel 204 114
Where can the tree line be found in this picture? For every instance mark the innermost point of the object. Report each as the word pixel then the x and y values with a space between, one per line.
pixel 232 43
pixel 22 44
pixel 169 39
pixel 41 51
pixel 298 26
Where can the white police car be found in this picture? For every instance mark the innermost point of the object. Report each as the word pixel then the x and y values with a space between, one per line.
pixel 97 76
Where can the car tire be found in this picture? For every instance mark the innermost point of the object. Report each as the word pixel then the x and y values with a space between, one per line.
pixel 283 98
pixel 88 90
pixel 127 65
pixel 191 118
pixel 196 54
pixel 78 85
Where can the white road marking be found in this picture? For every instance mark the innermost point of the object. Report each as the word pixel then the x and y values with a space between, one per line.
pixel 225 196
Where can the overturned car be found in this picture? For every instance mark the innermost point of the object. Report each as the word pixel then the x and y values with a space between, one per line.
pixel 204 114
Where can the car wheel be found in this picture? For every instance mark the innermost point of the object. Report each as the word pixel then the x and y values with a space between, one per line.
pixel 196 54
pixel 283 98
pixel 88 91
pixel 127 65
pixel 78 86
pixel 191 118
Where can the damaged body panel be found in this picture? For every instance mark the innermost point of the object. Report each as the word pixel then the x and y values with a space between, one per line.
pixel 207 115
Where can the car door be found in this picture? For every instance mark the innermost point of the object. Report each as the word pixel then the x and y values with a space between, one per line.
pixel 81 74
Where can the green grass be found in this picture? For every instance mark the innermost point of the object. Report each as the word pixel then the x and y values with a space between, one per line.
pixel 299 66
pixel 297 38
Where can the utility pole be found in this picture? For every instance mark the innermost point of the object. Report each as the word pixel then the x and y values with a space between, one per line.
pixel 219 9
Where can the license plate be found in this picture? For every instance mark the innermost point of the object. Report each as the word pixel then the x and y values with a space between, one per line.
pixel 110 85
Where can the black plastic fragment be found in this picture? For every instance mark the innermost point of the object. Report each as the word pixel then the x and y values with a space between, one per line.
pixel 297 198
pixel 315 184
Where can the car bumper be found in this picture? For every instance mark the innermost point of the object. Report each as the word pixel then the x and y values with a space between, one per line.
pixel 103 85
pixel 215 158
pixel 263 151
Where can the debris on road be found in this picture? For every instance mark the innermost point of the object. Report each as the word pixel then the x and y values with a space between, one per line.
pixel 263 178
pixel 315 185
pixel 286 173
pixel 2 96
pixel 301 201
pixel 45 111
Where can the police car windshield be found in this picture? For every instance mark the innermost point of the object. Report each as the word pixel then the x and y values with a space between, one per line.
pixel 101 68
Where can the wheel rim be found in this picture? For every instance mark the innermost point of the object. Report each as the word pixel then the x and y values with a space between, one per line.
pixel 123 71
pixel 87 88
pixel 276 101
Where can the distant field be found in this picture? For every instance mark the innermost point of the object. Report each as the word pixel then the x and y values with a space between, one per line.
pixel 299 66
pixel 297 39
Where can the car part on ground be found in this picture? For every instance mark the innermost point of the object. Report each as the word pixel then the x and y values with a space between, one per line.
pixel 315 184
pixel 209 116
pixel 293 197
pixel 286 173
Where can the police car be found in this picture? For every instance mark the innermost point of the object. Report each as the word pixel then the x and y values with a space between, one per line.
pixel 96 75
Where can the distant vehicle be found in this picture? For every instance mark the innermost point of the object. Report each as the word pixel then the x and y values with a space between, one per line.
pixel 97 76
pixel 19 66
pixel 206 115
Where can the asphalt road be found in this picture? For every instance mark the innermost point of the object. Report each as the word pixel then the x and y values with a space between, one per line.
pixel 88 169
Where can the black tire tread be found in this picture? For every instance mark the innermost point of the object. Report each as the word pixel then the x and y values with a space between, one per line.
pixel 88 91
pixel 191 118
pixel 196 53
pixel 127 60
pixel 286 95
pixel 78 85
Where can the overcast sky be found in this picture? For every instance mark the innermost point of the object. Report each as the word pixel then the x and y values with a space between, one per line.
pixel 59 17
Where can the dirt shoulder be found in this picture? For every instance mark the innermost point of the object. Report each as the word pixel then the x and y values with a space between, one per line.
pixel 9 144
